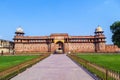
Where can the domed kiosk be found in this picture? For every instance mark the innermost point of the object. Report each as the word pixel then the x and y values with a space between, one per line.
pixel 19 32
pixel 99 29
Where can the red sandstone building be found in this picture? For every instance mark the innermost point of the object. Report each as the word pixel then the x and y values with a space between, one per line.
pixel 62 43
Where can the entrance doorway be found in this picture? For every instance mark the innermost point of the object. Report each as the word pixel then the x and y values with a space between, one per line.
pixel 59 47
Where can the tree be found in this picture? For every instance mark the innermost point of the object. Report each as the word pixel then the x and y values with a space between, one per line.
pixel 115 29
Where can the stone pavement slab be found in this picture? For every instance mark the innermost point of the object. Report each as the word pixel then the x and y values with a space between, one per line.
pixel 55 67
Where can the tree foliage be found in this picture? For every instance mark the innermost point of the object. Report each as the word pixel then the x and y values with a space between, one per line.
pixel 115 29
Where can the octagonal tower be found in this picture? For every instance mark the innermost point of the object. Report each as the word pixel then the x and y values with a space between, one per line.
pixel 99 39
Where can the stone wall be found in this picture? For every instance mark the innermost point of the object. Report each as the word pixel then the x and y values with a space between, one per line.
pixel 112 48
pixel 81 47
pixel 100 47
pixel 68 47
pixel 18 47
pixel 42 47
pixel 53 47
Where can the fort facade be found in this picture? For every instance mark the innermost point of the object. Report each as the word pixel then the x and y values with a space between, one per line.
pixel 62 43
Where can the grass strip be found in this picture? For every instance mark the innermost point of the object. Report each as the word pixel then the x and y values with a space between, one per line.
pixel 94 71
pixel 21 67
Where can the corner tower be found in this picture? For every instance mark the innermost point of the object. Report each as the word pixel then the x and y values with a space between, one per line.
pixel 99 40
pixel 18 40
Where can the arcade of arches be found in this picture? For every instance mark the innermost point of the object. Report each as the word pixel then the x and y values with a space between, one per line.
pixel 62 43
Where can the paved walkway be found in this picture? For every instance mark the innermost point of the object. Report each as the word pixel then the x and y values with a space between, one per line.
pixel 55 67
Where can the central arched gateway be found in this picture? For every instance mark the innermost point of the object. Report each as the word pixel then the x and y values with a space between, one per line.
pixel 59 47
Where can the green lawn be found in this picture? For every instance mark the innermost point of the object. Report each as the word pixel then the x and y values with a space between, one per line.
pixel 110 61
pixel 10 61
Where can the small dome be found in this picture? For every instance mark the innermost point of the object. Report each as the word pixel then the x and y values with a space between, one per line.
pixel 98 29
pixel 20 30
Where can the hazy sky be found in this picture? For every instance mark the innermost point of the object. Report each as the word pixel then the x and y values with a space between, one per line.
pixel 43 17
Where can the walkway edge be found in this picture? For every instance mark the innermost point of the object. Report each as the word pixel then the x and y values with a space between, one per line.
pixel 91 74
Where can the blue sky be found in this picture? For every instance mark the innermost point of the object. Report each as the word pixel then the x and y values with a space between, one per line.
pixel 43 17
